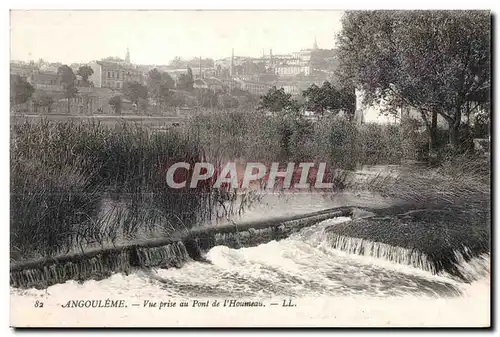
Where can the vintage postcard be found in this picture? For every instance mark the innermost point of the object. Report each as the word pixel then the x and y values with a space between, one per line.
pixel 286 168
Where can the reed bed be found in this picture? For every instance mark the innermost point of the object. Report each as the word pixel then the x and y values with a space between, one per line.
pixel 77 185
pixel 336 141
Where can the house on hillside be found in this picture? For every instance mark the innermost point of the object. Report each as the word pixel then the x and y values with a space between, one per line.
pixel 88 101
pixel 22 69
pixel 113 75
pixel 290 88
pixel 255 88
pixel 230 84
pixel 289 70
pixel 45 80
pixel 210 83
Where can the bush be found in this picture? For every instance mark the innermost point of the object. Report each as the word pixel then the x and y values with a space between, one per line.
pixel 291 137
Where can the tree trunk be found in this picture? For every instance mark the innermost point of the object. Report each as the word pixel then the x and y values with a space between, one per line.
pixel 455 128
pixel 454 135
pixel 433 138
pixel 69 111
pixel 433 132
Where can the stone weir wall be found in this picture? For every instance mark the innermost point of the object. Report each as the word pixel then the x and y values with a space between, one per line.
pixel 161 253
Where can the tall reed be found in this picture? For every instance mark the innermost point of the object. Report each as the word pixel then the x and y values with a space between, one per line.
pixel 79 184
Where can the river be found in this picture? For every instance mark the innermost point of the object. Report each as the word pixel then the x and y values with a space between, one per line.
pixel 320 286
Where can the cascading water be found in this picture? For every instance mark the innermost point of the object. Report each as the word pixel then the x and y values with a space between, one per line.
pixel 171 255
pixel 333 280
pixel 82 268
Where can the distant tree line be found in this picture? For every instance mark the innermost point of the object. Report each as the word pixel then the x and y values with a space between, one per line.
pixel 21 91
pixel 319 100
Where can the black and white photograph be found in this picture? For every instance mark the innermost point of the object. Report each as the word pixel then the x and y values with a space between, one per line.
pixel 250 168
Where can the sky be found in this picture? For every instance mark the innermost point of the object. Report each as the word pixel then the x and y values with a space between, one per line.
pixel 156 37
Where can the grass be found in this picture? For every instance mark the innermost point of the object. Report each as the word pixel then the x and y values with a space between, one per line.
pixel 340 143
pixel 76 185
pixel 459 181
pixel 447 211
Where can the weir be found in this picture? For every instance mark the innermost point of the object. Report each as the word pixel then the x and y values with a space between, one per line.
pixel 400 255
pixel 441 241
pixel 163 253
pixel 392 234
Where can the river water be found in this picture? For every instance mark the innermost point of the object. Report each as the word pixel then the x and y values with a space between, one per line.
pixel 320 286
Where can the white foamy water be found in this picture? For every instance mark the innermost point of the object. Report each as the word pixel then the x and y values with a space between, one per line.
pixel 293 203
pixel 327 287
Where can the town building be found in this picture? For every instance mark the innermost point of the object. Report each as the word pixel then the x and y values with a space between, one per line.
pixel 210 83
pixel 290 88
pixel 22 69
pixel 45 80
pixel 230 84
pixel 283 65
pixel 288 70
pixel 88 101
pixel 114 74
pixel 255 88
pixel 195 71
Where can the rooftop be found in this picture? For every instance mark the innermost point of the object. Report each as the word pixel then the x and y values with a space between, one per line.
pixel 116 65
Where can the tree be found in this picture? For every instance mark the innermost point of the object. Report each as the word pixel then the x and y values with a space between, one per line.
pixel 437 62
pixel 246 101
pixel 116 103
pixel 43 99
pixel 85 72
pixel 323 59
pixel 135 91
pixel 177 62
pixel 291 124
pixel 178 99
pixel 167 80
pixel 195 62
pixel 227 101
pixel 158 84
pixel 319 99
pixel 185 81
pixel 249 68
pixel 167 97
pixel 143 104
pixel 328 98
pixel 276 100
pixel 154 81
pixel 20 90
pixel 206 98
pixel 113 59
pixel 189 79
pixel 68 81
